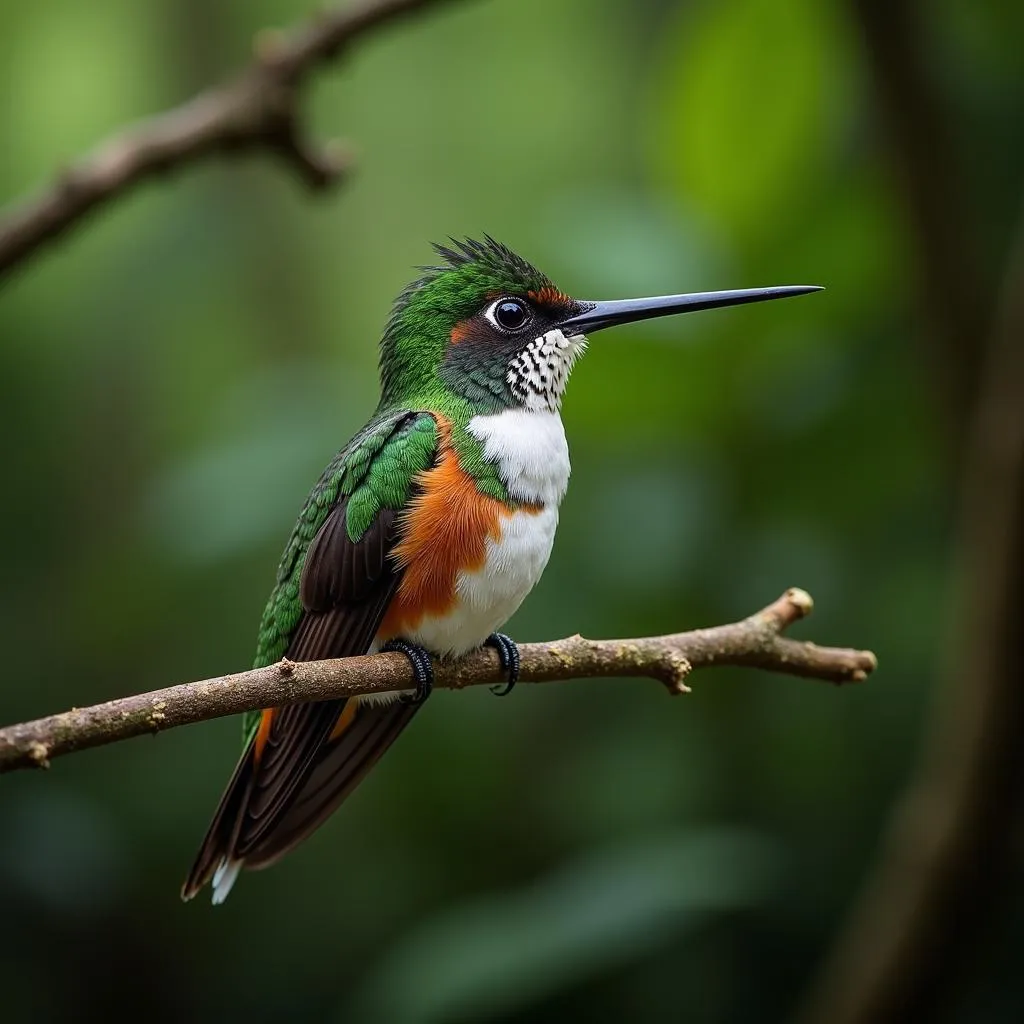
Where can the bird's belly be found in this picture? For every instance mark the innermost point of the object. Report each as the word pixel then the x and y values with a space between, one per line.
pixel 487 597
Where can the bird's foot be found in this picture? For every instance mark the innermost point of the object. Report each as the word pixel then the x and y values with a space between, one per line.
pixel 508 655
pixel 422 669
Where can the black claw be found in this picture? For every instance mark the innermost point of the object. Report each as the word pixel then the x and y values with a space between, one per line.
pixel 422 669
pixel 508 655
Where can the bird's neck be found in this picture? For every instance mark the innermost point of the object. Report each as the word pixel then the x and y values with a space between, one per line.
pixel 516 454
pixel 525 449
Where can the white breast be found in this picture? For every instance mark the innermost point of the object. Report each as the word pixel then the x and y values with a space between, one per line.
pixel 530 451
pixel 490 596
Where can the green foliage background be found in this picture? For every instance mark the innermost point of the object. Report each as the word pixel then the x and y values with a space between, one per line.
pixel 173 378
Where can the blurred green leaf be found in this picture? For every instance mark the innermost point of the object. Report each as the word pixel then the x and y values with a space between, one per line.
pixel 228 496
pixel 65 851
pixel 740 108
pixel 499 953
pixel 617 242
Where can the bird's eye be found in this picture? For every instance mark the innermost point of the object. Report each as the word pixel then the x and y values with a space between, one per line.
pixel 509 314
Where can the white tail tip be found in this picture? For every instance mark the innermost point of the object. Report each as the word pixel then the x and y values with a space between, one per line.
pixel 224 878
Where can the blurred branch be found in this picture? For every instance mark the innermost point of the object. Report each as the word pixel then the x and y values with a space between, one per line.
pixel 951 294
pixel 756 642
pixel 257 110
pixel 942 865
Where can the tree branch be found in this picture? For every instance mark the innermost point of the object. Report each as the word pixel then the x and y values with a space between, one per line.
pixel 942 863
pixel 258 109
pixel 756 642
pixel 944 857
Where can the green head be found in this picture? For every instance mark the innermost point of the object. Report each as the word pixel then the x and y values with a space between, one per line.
pixel 491 329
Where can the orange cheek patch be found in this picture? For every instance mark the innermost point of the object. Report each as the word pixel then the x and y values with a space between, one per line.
pixel 460 332
pixel 445 531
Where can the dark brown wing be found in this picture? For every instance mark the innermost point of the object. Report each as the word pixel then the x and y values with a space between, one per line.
pixel 293 773
pixel 345 589
pixel 341 766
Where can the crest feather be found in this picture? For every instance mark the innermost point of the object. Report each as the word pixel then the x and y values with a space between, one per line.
pixel 490 256
pixel 489 253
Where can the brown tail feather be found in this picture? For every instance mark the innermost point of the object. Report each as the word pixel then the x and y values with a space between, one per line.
pixel 220 836
pixel 342 765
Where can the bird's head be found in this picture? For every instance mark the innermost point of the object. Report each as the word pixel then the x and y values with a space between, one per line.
pixel 490 328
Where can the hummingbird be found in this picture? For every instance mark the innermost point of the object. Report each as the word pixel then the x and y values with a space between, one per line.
pixel 425 532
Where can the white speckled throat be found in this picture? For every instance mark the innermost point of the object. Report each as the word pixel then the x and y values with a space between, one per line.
pixel 538 374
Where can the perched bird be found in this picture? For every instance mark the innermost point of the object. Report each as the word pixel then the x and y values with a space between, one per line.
pixel 424 533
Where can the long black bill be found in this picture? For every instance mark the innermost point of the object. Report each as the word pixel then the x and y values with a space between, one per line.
pixel 598 315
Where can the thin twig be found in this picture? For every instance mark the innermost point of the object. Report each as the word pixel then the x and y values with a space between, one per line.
pixel 756 642
pixel 258 109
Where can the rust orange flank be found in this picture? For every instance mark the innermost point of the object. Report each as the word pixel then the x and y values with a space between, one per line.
pixel 262 733
pixel 445 530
